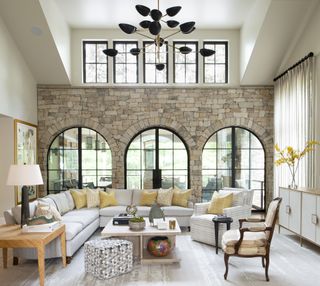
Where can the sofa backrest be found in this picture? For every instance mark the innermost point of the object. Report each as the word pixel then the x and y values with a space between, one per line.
pixel 241 197
pixel 123 196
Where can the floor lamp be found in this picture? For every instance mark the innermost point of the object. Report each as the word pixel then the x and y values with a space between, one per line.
pixel 25 176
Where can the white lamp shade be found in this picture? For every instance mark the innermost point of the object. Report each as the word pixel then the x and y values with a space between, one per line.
pixel 24 175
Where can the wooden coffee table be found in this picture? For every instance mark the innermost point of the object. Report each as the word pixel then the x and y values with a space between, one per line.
pixel 11 236
pixel 140 240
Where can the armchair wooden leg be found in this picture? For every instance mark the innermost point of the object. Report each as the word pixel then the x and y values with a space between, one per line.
pixel 68 259
pixel 15 260
pixel 267 267
pixel 226 262
pixel 263 264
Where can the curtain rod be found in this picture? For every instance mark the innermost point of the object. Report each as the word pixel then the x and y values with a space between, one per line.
pixel 293 66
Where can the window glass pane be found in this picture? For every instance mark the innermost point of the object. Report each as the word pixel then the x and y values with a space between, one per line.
pixel 70 159
pixel 161 76
pixel 101 57
pixel 220 73
pixel 101 73
pixel 209 72
pixel 120 73
pixel 209 159
pixel 90 53
pixel 179 58
pixel 102 143
pixel 150 73
pixel 89 159
pixel 224 138
pixel 90 73
pixel 180 73
pixel 178 144
pixel 165 139
pixel 165 159
pixel 88 139
pixel 226 178
pixel 89 178
pixel 105 179
pixel 135 144
pixel 55 181
pixel 242 179
pixel 257 159
pixel 132 73
pixel 55 162
pixel 58 142
pixel 192 56
pixel 104 159
pixel 180 159
pixel 225 159
pixel 220 54
pixel 191 73
pixel 133 179
pixel 242 138
pixel 147 179
pixel 255 143
pixel 212 142
pixel 133 159
pixel 71 178
pixel 148 159
pixel 71 139
pixel 148 139
pixel 242 159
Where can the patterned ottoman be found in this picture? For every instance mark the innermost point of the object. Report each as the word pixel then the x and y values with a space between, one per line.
pixel 108 258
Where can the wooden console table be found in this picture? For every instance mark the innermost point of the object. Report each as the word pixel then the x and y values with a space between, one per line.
pixel 11 236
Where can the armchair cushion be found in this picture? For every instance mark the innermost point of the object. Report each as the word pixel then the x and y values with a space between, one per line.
pixel 253 242
pixel 219 202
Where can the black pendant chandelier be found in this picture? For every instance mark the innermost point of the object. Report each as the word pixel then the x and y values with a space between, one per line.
pixel 154 28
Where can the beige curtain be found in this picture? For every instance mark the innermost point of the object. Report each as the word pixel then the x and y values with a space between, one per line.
pixel 295 108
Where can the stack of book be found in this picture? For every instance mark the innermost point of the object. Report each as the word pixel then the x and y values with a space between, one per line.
pixel 46 227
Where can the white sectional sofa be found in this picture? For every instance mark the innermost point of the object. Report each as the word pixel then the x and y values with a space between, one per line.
pixel 82 223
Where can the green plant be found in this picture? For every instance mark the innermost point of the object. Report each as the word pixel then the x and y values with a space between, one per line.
pixel 137 219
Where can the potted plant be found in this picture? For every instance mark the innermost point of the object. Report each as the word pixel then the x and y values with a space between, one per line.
pixel 292 157
pixel 137 223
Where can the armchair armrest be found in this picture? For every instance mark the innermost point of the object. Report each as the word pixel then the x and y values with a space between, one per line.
pixel 201 208
pixel 250 219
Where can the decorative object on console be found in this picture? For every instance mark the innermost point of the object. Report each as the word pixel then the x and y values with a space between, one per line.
pixel 292 158
pixel 154 28
pixel 25 176
pixel 159 246
pixel 121 219
pixel 155 212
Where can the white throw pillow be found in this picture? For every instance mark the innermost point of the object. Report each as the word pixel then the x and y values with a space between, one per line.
pixel 61 202
pixel 70 200
pixel 93 198
pixel 16 211
pixel 123 196
pixel 47 210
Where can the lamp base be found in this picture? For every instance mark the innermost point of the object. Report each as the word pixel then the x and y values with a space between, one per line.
pixel 25 211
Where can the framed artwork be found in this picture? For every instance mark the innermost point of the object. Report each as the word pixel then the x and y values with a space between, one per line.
pixel 25 152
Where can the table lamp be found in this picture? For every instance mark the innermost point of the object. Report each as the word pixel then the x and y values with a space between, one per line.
pixel 25 176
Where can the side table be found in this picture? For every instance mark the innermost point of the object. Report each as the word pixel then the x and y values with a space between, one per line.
pixel 217 220
pixel 11 236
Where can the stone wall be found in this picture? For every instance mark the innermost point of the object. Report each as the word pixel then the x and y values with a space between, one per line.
pixel 120 113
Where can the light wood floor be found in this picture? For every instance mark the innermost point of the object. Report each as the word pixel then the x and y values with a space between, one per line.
pixel 290 265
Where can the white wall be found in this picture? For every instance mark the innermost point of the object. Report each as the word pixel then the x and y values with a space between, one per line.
pixel 77 35
pixel 18 93
pixel 60 31
pixel 7 199
pixel 309 41
pixel 250 30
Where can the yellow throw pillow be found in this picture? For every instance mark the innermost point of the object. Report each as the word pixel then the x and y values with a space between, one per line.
pixel 148 198
pixel 220 202
pixel 93 198
pixel 107 199
pixel 80 198
pixel 165 197
pixel 180 198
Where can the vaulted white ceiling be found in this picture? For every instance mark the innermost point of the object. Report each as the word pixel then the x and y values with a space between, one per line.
pixel 268 29
pixel 208 14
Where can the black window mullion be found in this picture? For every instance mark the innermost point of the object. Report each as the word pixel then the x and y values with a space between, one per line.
pixel 233 156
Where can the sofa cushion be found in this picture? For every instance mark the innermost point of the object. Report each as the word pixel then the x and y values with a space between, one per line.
pixel 177 211
pixel 80 198
pixel 112 211
pixel 143 211
pixel 72 229
pixel 70 200
pixel 82 216
pixel 123 196
pixel 16 211
pixel 61 202
pixel 165 197
pixel 107 199
pixel 93 198
pixel 148 198
pixel 180 197
pixel 136 195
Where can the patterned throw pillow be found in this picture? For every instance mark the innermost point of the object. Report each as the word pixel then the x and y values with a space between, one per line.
pixel 180 197
pixel 220 202
pixel 47 210
pixel 80 198
pixel 148 198
pixel 165 197
pixel 93 198
pixel 107 199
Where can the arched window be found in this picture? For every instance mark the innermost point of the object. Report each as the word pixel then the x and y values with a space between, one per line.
pixel 156 158
pixel 79 157
pixel 234 157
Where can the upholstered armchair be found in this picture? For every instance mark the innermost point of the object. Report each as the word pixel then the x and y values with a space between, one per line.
pixel 252 241
pixel 201 225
